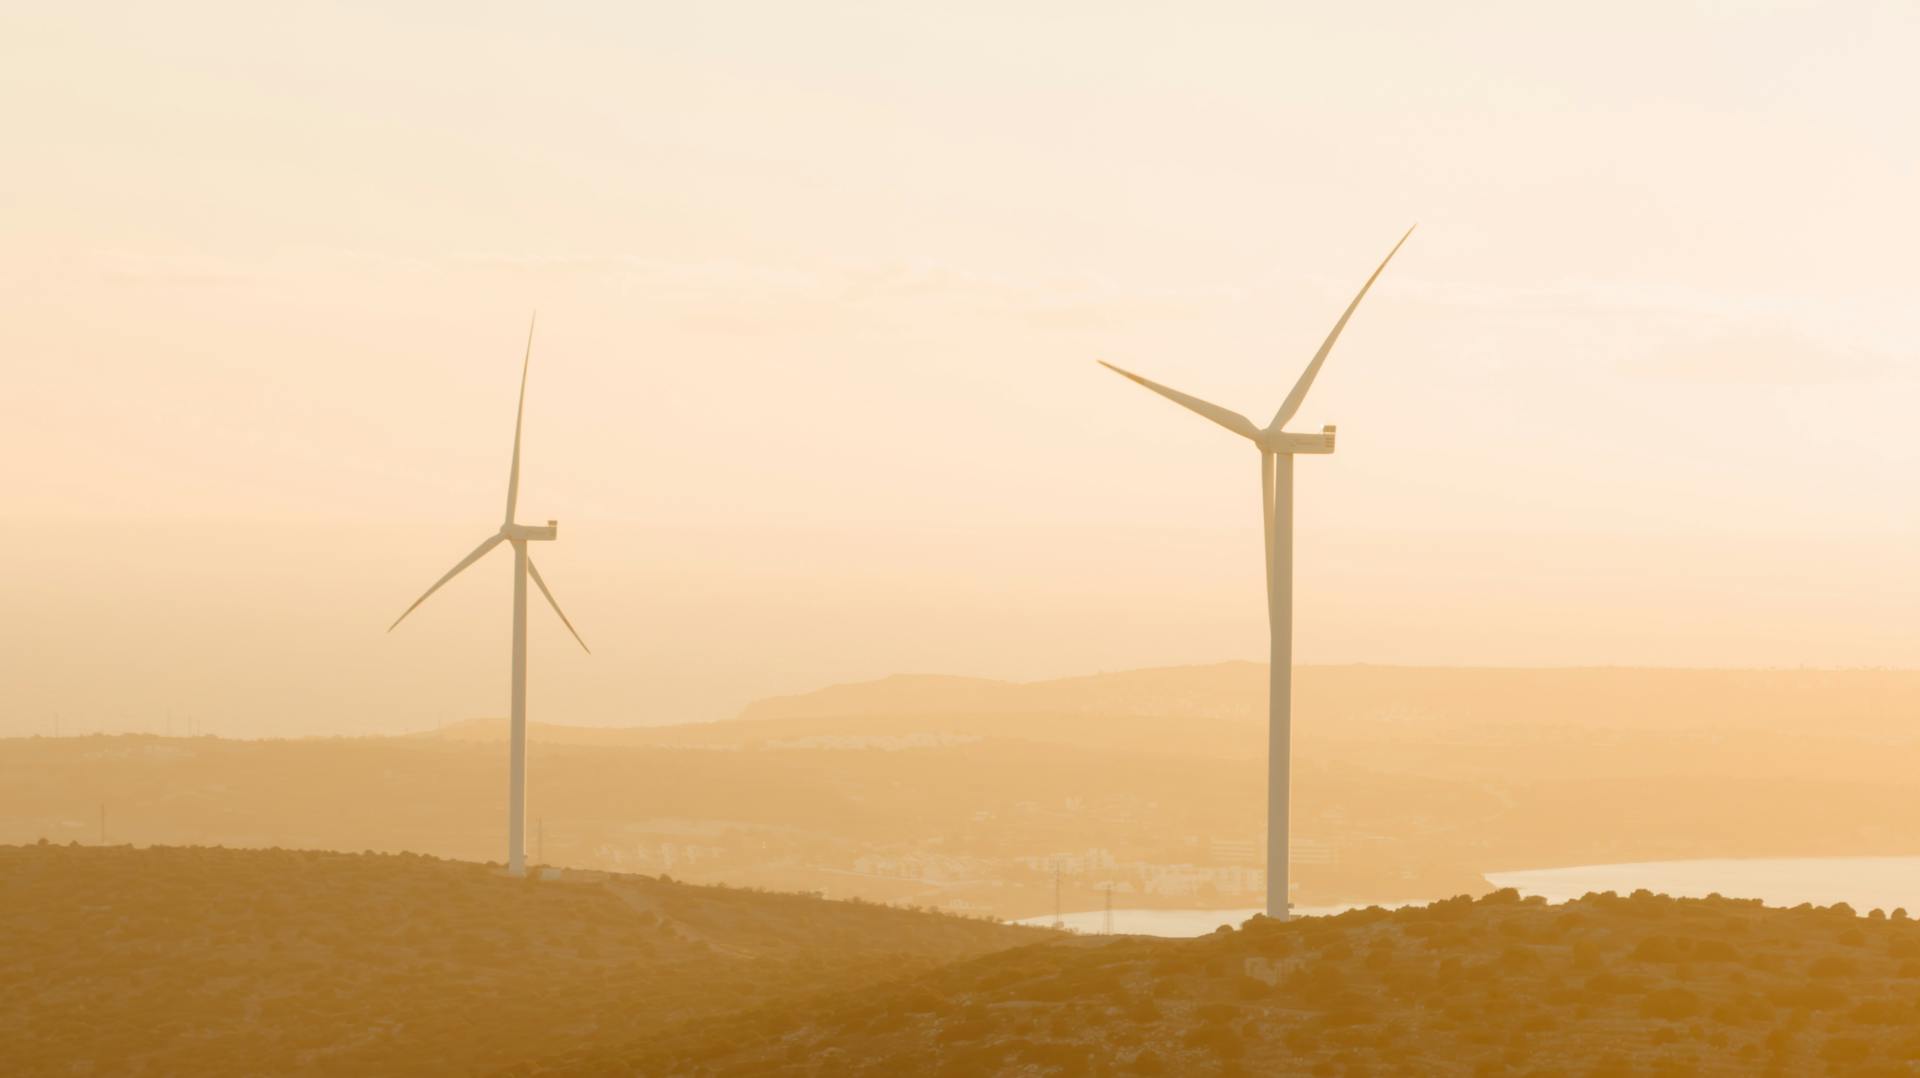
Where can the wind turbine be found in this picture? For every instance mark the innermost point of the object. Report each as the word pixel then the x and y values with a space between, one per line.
pixel 1277 450
pixel 519 535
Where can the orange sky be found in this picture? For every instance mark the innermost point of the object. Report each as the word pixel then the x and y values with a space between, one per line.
pixel 821 288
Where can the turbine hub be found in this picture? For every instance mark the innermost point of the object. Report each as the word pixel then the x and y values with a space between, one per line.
pixel 524 533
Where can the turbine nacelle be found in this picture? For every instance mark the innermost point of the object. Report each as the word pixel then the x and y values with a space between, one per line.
pixel 525 533
pixel 1280 441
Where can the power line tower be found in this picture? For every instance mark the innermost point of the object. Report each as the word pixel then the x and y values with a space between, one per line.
pixel 1106 920
pixel 103 823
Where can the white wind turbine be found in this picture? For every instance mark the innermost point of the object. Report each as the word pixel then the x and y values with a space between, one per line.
pixel 519 535
pixel 1277 449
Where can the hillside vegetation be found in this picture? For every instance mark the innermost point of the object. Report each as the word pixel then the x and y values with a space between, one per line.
pixel 123 961
pixel 1603 986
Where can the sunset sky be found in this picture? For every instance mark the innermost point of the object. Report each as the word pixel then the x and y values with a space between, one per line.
pixel 821 287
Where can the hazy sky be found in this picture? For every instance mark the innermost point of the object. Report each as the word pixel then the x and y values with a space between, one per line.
pixel 821 286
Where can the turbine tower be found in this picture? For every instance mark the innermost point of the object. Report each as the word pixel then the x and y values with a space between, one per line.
pixel 519 535
pixel 1277 450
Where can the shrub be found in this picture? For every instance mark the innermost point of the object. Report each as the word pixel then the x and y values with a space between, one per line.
pixel 1832 965
pixel 1880 1012
pixel 1669 949
pixel 1612 1066
pixel 1251 988
pixel 1346 1016
pixel 1147 1062
pixel 1845 1050
pixel 1657 949
pixel 1316 982
pixel 1712 950
pixel 1220 1039
pixel 1812 997
pixel 1586 954
pixel 964 1030
pixel 1670 1003
pixel 1613 984
pixel 1518 957
pixel 1335 949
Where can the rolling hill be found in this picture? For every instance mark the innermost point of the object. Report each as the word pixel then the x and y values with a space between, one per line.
pixel 1604 986
pixel 244 962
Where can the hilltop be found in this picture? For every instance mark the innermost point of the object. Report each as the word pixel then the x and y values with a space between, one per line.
pixel 1603 986
pixel 216 961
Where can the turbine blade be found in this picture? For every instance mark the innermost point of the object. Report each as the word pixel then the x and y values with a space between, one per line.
pixel 1231 420
pixel 478 553
pixel 1299 394
pixel 534 572
pixel 513 474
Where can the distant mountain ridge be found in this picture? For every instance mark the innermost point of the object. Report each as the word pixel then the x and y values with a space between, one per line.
pixel 1219 690
pixel 1230 695
pixel 907 704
